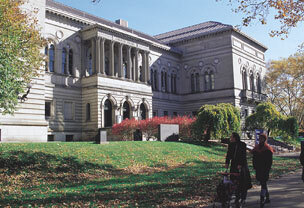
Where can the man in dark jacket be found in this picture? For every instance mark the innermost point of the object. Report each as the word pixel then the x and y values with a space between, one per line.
pixel 236 155
pixel 262 162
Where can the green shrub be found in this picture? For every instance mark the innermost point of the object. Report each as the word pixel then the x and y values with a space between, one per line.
pixel 216 121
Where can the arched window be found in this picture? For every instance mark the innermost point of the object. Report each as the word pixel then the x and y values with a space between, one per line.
pixel 174 86
pixel 126 111
pixel 166 81
pixel 88 112
pixel 207 81
pixel 172 83
pixel 211 81
pixel 64 61
pixel 107 113
pixel 143 112
pixel 259 87
pixel 162 80
pixel 155 80
pixel 192 83
pixel 51 58
pixel 252 88
pixel 46 53
pixel 197 82
pixel 244 78
pixel 90 71
pixel 71 62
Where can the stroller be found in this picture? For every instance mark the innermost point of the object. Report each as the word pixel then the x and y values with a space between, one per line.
pixel 226 188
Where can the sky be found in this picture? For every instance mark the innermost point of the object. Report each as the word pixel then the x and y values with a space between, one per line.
pixel 159 16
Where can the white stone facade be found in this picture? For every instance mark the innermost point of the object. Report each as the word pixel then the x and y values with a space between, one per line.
pixel 100 72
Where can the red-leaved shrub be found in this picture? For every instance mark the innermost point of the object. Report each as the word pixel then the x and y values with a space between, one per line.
pixel 125 129
pixel 149 127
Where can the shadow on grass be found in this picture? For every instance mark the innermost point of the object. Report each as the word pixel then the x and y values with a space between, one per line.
pixel 16 161
pixel 165 188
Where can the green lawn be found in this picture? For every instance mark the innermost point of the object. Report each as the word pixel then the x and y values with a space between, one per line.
pixel 119 174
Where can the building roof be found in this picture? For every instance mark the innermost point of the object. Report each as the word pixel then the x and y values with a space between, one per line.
pixel 191 32
pixel 199 30
pixel 162 40
pixel 98 20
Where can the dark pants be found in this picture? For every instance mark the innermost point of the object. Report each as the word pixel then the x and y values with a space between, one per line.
pixel 264 189
pixel 240 194
pixel 303 174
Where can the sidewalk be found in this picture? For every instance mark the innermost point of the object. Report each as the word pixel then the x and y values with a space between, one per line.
pixel 287 192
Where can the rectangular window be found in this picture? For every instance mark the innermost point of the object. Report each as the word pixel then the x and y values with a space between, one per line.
pixel 48 105
pixel 69 138
pixel 165 113
pixel 88 112
pixel 68 111
pixel 51 138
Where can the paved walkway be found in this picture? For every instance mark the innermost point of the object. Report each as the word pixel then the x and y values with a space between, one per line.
pixel 286 191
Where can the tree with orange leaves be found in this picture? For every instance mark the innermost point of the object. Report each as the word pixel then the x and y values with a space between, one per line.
pixel 288 12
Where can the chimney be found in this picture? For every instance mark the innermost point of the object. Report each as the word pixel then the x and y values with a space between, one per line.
pixel 122 22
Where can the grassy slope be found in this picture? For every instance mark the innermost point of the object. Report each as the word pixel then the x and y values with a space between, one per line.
pixel 136 174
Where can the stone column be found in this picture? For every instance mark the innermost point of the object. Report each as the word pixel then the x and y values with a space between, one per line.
pixel 120 60
pixel 111 57
pixel 136 66
pixel 83 56
pixel 148 68
pixel 102 56
pixel 98 55
pixel 93 52
pixel 144 67
pixel 133 66
pixel 129 62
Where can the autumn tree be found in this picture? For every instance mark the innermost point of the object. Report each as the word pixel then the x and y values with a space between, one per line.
pixel 288 12
pixel 285 86
pixel 20 57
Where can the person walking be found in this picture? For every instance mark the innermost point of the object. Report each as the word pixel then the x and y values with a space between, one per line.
pixel 236 157
pixel 262 162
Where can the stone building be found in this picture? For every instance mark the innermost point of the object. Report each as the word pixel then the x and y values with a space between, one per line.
pixel 100 72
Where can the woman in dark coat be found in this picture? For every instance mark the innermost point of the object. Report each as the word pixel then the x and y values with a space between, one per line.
pixel 236 157
pixel 262 162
